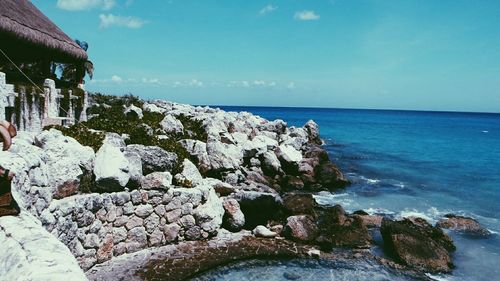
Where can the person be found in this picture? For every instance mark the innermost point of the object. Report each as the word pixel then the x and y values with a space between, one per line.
pixel 8 206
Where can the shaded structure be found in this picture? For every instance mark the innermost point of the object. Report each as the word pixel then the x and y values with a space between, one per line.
pixel 32 42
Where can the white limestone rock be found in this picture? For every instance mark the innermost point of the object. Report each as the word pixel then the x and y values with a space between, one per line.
pixel 111 168
pixel 157 180
pixel 262 231
pixel 133 110
pixel 209 214
pixel 189 175
pixel 170 124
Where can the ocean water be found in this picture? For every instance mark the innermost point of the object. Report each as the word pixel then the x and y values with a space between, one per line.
pixel 414 163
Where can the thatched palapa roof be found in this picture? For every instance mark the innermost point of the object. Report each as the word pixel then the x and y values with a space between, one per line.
pixel 27 34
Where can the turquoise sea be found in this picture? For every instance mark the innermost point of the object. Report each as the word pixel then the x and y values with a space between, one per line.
pixel 418 163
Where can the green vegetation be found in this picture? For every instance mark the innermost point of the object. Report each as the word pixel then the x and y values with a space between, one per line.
pixel 111 118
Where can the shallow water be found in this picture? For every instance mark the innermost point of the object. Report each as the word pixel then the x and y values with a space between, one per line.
pixel 410 163
pixel 273 270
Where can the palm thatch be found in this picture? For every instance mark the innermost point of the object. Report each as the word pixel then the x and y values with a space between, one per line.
pixel 26 33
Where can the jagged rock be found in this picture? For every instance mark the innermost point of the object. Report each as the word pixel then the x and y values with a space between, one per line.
pixel 262 231
pixel 301 227
pixel 337 229
pixel 58 151
pixel 111 168
pixel 413 244
pixel 190 176
pixel 154 159
pixel 151 107
pixel 297 138
pixel 289 158
pixel 234 219
pixel 114 139
pixel 134 111
pixel 170 125
pixel 224 156
pixel 313 132
pixel 270 164
pixel 330 177
pixel 209 214
pixel 258 145
pixel 466 225
pixel 157 180
pixel 277 126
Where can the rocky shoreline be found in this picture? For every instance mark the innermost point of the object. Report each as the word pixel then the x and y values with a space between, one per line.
pixel 161 180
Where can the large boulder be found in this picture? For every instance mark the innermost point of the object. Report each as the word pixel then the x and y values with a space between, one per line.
pixel 339 229
pixel 224 156
pixel 330 177
pixel 462 224
pixel 29 252
pixel 171 125
pixel 209 214
pixel 154 158
pixel 111 169
pixel 66 171
pixel 415 243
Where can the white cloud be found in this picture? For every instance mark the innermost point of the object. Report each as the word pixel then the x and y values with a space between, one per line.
pixel 150 81
pixel 267 9
pixel 80 5
pixel 291 86
pixel 306 15
pixel 195 82
pixel 116 79
pixel 113 20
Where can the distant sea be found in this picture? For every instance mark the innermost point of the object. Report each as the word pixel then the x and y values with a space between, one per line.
pixel 415 163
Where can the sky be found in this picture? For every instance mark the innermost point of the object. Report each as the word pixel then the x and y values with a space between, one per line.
pixel 390 54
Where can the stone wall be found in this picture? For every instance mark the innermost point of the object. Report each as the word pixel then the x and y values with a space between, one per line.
pixel 97 227
pixel 31 110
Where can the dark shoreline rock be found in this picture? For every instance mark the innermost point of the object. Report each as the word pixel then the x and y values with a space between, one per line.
pixel 416 243
pixel 462 224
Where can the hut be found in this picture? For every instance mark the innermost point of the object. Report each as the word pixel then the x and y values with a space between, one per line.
pixel 31 41
pixel 27 35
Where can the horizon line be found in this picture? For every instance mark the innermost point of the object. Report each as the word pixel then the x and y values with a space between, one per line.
pixel 352 108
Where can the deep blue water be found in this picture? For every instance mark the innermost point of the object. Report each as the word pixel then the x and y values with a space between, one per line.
pixel 416 163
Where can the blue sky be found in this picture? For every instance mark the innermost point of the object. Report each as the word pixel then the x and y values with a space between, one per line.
pixel 431 55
